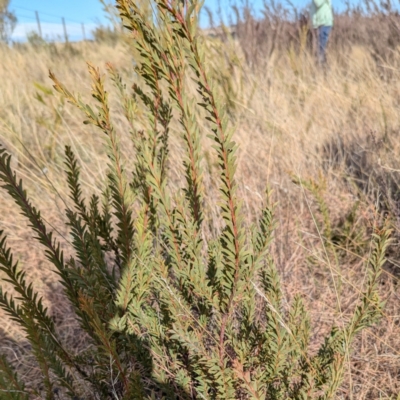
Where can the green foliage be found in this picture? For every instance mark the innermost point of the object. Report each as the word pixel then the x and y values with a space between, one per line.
pixel 35 40
pixel 8 20
pixel 105 34
pixel 166 312
pixel 10 386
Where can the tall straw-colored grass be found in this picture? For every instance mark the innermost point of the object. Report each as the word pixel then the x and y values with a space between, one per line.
pixel 324 140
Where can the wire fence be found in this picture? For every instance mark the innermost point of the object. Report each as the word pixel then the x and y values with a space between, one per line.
pixel 50 27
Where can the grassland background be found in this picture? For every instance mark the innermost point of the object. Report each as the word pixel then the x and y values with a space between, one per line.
pixel 334 131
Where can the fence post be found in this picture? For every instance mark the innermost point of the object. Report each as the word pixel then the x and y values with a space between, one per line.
pixel 65 30
pixel 38 23
pixel 83 32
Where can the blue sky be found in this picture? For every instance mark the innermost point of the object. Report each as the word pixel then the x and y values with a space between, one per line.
pixel 76 12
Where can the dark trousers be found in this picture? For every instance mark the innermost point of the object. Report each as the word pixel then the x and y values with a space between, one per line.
pixel 323 33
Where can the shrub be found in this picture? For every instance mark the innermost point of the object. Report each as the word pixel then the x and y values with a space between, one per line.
pixel 35 40
pixel 168 312
pixel 105 34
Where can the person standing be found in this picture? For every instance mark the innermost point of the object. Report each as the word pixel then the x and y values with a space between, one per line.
pixel 322 22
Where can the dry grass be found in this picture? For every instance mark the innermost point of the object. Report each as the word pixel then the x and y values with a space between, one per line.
pixel 336 127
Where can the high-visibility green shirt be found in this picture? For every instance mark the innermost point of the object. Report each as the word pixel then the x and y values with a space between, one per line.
pixel 321 13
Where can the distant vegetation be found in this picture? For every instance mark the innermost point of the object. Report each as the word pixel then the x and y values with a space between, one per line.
pixel 8 21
